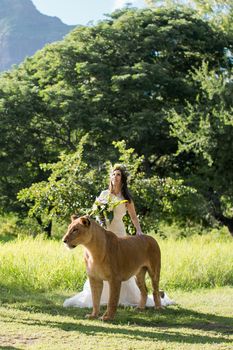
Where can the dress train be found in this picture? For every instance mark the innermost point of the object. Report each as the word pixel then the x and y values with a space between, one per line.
pixel 129 296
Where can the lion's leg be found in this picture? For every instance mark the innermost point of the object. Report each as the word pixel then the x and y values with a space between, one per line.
pixel 96 291
pixel 114 294
pixel 154 273
pixel 140 280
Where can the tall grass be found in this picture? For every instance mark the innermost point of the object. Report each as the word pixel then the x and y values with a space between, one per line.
pixel 196 262
pixel 39 264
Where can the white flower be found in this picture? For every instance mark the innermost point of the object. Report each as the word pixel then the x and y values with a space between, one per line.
pixel 103 207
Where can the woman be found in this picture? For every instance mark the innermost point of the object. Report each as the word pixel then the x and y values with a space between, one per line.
pixel 117 193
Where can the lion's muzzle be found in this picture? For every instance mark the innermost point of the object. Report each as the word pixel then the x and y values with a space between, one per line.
pixel 68 244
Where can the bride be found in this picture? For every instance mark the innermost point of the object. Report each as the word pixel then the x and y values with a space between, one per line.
pixel 117 193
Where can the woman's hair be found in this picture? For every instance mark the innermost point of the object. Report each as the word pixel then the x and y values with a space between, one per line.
pixel 124 177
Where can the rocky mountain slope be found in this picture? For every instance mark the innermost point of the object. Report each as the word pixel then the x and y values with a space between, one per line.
pixel 24 30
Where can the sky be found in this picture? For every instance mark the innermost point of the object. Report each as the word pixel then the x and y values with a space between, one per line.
pixel 81 11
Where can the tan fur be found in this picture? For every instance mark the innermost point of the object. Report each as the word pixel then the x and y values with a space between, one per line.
pixel 113 259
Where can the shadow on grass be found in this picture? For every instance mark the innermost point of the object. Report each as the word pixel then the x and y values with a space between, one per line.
pixel 166 326
pixel 158 333
pixel 9 348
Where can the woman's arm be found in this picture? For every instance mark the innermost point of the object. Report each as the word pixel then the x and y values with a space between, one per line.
pixel 133 217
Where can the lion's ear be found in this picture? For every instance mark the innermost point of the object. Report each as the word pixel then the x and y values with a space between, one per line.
pixel 85 221
pixel 73 217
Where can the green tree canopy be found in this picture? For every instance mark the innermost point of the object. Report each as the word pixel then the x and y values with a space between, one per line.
pixel 120 80
pixel 217 12
pixel 114 80
pixel 73 185
pixel 205 134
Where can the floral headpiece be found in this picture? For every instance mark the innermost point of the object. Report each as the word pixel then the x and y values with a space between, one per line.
pixel 122 168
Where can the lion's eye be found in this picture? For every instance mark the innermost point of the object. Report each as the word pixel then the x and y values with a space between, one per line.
pixel 75 231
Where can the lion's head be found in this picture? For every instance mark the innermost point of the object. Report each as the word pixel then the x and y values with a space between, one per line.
pixel 77 232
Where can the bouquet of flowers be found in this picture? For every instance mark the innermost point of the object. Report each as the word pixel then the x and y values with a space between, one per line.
pixel 102 209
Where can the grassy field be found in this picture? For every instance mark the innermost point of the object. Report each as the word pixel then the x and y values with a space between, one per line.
pixel 36 275
pixel 46 265
pixel 201 320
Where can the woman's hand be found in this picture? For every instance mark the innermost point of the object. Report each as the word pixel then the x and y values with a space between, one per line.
pixel 139 233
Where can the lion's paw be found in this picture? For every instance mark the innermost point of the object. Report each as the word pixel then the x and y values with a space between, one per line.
pixel 91 316
pixel 159 308
pixel 105 317
pixel 139 308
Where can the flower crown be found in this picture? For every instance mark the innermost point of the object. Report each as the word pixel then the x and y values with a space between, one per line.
pixel 122 168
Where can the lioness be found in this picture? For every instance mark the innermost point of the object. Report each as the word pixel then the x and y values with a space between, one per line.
pixel 113 259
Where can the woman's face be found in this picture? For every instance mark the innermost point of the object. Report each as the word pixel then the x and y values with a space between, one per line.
pixel 116 177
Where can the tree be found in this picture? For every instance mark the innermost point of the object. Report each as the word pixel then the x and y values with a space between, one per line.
pixel 205 135
pixel 115 80
pixel 69 189
pixel 217 12
pixel 22 144
pixel 73 185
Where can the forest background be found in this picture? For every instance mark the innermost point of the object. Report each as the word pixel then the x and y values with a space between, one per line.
pixel 151 88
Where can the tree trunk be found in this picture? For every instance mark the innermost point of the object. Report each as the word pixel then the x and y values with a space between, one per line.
pixel 47 228
pixel 217 211
pixel 228 222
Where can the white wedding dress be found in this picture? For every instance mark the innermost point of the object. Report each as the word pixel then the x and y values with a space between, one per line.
pixel 130 293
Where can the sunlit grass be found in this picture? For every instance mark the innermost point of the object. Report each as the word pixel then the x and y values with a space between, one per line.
pixel 36 275
pixel 46 265
pixel 202 319
pixel 41 264
pixel 196 262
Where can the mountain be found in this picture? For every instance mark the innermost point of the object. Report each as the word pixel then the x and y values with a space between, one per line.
pixel 24 30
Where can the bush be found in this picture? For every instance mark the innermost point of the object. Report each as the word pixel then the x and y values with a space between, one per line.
pixel 73 185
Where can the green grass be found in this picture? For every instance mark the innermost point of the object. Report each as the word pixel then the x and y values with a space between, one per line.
pixel 36 275
pixel 201 320
pixel 46 265
pixel 196 262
